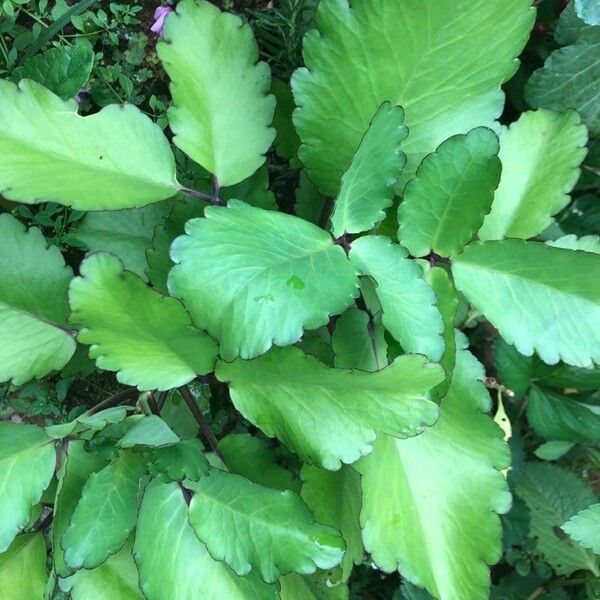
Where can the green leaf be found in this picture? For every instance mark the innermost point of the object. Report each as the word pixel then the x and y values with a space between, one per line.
pixel 220 113
pixel 153 348
pixel 409 304
pixel 588 10
pixel 50 153
pixel 149 431
pixel 76 467
pixel 556 417
pixel 105 515
pixel 569 79
pixel 253 527
pixel 359 342
pixel 441 61
pixel 584 527
pixel 445 203
pixel 184 460
pixel 23 568
pixel 554 495
pixel 541 154
pixel 115 579
pixel 255 277
pixel 286 139
pixel 27 462
pixel 124 233
pixel 587 243
pixel 329 416
pixel 309 202
pixel 335 498
pixel 368 183
pixel 312 587
pixel 506 280
pixel 251 457
pixel 174 563
pixel 553 450
pixel 429 503
pixel 63 70
pixel 34 279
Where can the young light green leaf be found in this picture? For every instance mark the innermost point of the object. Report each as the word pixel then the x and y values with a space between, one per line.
pixel 50 153
pixel 255 277
pixel 444 205
pixel 224 126
pixel 442 63
pixel 184 460
pixel 338 424
pixel 125 233
pixel 63 70
pixel 23 568
pixel 147 338
pixel 584 527
pixel 557 417
pixel 115 579
pixel 34 279
pixel 569 79
pixel 251 457
pixel 174 563
pixel 253 527
pixel 105 515
pixel 359 342
pixel 368 183
pixel 149 431
pixel 320 586
pixel 409 304
pixel 335 498
pixel 553 450
pixel 410 487
pixel 553 496
pixel 587 243
pixel 541 154
pixel 76 467
pixel 27 462
pixel 504 280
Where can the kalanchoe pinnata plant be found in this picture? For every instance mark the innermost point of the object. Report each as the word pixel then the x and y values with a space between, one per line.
pixel 335 336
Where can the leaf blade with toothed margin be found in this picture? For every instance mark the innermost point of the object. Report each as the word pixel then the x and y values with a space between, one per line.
pixel 253 527
pixel 368 183
pixel 23 568
pixel 504 279
pixel 584 527
pixel 223 127
pixel 53 154
pixel 255 277
pixel 338 425
pixel 148 339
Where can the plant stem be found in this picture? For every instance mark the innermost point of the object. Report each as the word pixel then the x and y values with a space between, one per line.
pixel 122 397
pixel 162 398
pixel 206 431
pixel 201 195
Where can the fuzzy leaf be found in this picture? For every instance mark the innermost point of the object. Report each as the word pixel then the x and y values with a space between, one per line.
pixel 34 339
pixel 255 277
pixel 335 498
pixel 541 154
pixel 253 527
pixel 409 304
pixel 329 416
pixel 584 528
pixel 442 61
pixel 147 338
pixel 172 561
pixel 506 280
pixel 553 496
pixel 125 233
pixel 50 153
pixel 429 503
pixel 27 462
pixel 105 515
pixel 444 206
pixel 149 431
pixel 556 417
pixel 184 460
pixel 368 183
pixel 114 579
pixel 23 568
pixel 221 112
pixel 63 70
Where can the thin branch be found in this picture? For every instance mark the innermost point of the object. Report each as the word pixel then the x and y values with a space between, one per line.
pixel 206 431
pixel 123 397
pixel 153 405
pixel 201 195
pixel 45 522
pixel 162 398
